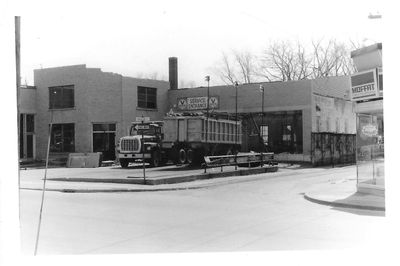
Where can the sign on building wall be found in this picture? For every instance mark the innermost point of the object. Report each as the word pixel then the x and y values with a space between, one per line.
pixel 197 103
pixel 364 85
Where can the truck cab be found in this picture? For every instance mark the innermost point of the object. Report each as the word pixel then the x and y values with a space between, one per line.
pixel 143 143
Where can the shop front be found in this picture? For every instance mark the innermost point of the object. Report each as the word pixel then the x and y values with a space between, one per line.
pixel 367 92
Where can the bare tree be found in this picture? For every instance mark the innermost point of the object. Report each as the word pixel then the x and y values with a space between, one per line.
pixel 331 59
pixel 245 61
pixel 225 70
pixel 238 66
pixel 285 61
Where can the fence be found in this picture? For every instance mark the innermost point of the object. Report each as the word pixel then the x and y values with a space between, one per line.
pixel 242 159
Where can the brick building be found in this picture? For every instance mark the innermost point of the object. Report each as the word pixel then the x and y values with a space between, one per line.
pixel 307 120
pixel 90 109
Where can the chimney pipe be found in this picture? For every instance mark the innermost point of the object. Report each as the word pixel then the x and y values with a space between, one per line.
pixel 173 73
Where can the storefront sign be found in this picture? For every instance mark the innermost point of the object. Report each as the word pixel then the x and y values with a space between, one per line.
pixel 369 131
pixel 364 85
pixel 197 103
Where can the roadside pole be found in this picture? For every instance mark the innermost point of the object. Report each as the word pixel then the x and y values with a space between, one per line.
pixel 236 118
pixel 44 181
pixel 142 127
pixel 262 125
pixel 144 164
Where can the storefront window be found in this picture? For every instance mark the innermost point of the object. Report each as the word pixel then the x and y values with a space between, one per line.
pixel 62 138
pixel 370 150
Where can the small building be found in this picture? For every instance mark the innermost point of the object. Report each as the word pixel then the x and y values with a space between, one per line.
pixel 89 109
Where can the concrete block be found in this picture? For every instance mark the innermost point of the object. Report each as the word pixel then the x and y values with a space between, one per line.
pixel 84 160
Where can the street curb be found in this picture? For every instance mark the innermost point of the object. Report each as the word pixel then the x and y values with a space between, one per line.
pixel 343 205
pixel 71 190
pixel 152 188
pixel 171 179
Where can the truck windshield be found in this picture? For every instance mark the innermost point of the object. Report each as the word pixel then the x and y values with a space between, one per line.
pixel 150 131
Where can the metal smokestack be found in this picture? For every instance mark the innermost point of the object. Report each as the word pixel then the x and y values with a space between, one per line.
pixel 173 73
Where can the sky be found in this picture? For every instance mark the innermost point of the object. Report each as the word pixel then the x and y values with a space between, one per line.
pixel 135 38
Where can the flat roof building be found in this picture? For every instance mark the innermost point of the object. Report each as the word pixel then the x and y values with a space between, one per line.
pixel 300 117
pixel 307 120
pixel 90 109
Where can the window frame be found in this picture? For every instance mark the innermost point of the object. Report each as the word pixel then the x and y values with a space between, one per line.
pixel 65 100
pixel 148 98
pixel 62 134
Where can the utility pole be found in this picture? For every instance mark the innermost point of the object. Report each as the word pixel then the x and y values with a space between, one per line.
pixel 207 78
pixel 143 161
pixel 236 118
pixel 18 76
pixel 262 124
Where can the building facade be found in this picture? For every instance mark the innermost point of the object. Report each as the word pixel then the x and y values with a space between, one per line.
pixel 304 121
pixel 89 109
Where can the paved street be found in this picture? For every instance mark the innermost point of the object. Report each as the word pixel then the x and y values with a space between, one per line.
pixel 256 215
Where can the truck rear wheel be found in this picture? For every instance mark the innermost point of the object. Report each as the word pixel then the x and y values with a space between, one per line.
pixel 182 156
pixel 124 163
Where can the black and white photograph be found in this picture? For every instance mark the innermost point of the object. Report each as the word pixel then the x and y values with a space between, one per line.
pixel 198 129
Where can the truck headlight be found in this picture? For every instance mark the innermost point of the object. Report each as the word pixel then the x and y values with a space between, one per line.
pixel 148 148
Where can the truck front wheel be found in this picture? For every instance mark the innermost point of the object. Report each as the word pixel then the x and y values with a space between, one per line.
pixel 124 163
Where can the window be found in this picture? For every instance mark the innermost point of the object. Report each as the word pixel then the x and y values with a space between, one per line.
pixel 147 97
pixel 61 97
pixel 287 133
pixel 264 134
pixel 62 138
pixel 30 123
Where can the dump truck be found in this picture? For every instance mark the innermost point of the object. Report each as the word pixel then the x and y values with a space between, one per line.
pixel 180 138
pixel 143 143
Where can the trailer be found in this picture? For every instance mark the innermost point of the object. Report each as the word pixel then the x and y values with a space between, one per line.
pixel 187 139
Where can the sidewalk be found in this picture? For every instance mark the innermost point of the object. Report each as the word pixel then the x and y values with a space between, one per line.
pixel 343 194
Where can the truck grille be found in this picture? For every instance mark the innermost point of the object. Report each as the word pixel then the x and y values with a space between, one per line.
pixel 129 145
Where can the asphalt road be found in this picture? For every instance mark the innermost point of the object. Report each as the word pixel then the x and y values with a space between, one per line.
pixel 259 215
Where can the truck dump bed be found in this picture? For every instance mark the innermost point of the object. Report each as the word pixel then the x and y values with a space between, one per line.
pixel 193 129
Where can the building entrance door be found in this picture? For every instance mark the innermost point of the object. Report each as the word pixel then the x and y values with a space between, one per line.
pixel 104 140
pixel 27 137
